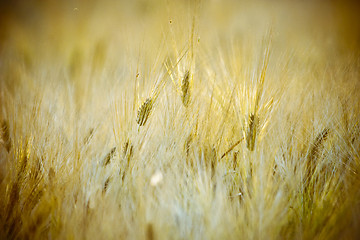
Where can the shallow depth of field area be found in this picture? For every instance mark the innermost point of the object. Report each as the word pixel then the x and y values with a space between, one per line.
pixel 179 119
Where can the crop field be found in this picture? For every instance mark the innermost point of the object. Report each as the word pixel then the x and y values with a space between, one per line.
pixel 179 119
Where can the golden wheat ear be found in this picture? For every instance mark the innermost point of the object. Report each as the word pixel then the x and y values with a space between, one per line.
pixel 144 111
pixel 6 135
pixel 150 232
pixel 314 153
pixel 128 151
pixel 251 133
pixel 107 159
pixel 106 185
pixel 185 89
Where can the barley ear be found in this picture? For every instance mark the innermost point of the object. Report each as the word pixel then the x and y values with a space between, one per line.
pixel 106 184
pixel 150 232
pixel 144 112
pixel 252 131
pixel 109 156
pixel 127 151
pixel 313 156
pixel 185 89
pixel 6 135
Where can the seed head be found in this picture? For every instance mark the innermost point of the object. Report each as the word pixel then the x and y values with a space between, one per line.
pixel 252 131
pixel 144 112
pixel 185 88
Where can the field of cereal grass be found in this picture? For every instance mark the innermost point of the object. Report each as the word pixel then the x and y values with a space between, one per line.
pixel 179 119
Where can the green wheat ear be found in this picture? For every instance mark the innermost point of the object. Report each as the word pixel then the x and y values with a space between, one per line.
pixel 185 89
pixel 144 112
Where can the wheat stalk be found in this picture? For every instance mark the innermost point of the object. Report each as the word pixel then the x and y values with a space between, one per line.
pixel 253 121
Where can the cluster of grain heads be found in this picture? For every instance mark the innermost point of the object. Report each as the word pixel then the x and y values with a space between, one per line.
pixel 185 89
pixel 144 112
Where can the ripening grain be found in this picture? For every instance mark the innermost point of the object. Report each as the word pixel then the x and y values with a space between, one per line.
pixel 179 119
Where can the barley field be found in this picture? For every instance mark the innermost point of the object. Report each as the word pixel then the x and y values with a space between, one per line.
pixel 179 119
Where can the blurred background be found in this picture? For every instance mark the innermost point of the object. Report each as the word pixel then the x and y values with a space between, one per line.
pixel 52 29
pixel 98 47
